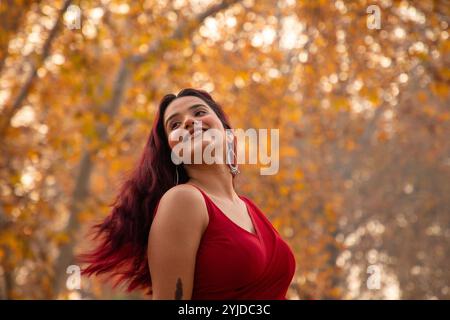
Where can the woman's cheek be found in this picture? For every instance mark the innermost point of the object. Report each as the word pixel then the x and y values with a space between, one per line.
pixel 176 136
pixel 172 144
pixel 209 121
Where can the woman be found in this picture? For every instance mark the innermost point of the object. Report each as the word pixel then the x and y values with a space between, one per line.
pixel 182 231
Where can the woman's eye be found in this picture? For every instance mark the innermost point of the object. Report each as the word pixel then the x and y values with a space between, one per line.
pixel 197 113
pixel 174 125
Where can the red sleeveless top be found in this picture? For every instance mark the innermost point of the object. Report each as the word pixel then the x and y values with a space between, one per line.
pixel 234 264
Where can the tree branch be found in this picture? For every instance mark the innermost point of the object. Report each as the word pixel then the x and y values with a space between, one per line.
pixel 25 89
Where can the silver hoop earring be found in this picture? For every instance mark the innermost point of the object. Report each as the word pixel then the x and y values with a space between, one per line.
pixel 230 158
pixel 176 173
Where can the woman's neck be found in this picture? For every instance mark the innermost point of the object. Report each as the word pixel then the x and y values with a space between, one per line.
pixel 215 179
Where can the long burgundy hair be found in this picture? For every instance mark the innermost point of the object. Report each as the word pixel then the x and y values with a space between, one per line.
pixel 123 235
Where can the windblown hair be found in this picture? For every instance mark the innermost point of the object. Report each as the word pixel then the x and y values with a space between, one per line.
pixel 122 237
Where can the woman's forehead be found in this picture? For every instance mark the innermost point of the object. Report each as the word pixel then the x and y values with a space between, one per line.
pixel 180 104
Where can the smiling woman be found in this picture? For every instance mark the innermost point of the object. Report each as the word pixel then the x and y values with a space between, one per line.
pixel 182 231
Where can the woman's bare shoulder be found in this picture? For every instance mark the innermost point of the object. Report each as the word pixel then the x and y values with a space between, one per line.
pixel 183 202
pixel 183 193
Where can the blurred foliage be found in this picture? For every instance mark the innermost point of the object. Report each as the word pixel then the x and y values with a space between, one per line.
pixel 363 114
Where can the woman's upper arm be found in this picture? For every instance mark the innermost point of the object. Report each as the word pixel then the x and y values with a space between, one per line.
pixel 173 241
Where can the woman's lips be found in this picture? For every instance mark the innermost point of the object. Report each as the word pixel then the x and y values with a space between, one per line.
pixel 194 134
pixel 197 133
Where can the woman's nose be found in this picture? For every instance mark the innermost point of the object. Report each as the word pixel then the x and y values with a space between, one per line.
pixel 189 122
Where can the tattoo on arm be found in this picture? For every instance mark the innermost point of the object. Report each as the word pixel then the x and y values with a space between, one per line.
pixel 179 290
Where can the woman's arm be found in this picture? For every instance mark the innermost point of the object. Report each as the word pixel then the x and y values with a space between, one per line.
pixel 175 234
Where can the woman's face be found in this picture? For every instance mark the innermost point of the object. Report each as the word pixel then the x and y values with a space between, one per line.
pixel 181 114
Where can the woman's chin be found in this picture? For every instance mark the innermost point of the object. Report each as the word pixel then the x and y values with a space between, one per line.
pixel 200 149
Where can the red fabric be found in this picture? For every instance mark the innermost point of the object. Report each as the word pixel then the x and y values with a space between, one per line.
pixel 233 263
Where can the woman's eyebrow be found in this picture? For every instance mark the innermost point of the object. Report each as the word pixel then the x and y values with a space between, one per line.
pixel 190 108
